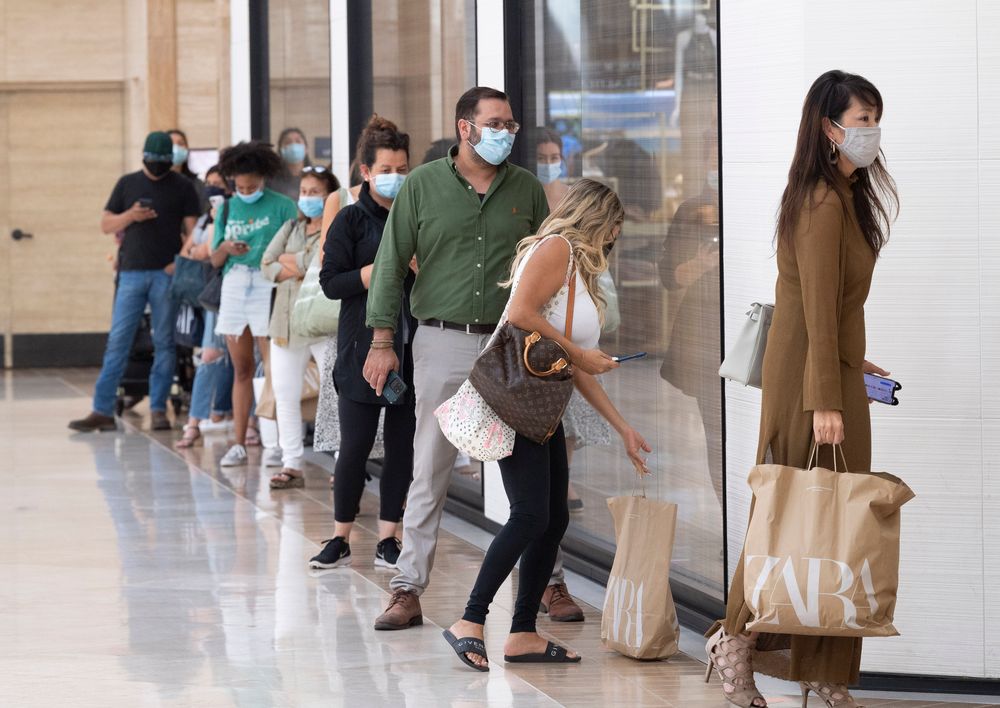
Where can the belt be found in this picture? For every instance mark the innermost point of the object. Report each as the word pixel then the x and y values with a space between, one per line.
pixel 467 328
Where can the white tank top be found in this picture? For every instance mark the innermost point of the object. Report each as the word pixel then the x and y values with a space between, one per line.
pixel 586 322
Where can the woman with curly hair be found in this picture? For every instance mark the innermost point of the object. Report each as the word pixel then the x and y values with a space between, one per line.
pixel 247 223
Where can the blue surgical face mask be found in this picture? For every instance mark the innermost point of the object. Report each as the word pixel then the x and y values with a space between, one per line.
pixel 180 155
pixel 293 153
pixel 311 206
pixel 494 146
pixel 252 198
pixel 548 172
pixel 388 185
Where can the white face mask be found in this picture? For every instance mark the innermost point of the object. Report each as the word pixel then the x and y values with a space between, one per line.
pixel 861 145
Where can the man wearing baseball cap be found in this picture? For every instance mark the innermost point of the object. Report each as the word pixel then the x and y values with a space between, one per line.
pixel 156 209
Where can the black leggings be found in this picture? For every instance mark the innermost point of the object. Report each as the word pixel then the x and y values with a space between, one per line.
pixel 536 478
pixel 358 428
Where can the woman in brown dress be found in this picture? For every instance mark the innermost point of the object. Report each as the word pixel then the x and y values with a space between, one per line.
pixel 833 221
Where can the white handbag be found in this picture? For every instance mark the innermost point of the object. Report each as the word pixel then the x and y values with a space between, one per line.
pixel 745 359
pixel 473 427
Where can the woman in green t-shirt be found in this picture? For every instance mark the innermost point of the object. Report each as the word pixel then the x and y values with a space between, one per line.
pixel 247 223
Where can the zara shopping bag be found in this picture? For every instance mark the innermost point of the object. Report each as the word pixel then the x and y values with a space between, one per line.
pixel 822 551
pixel 639 618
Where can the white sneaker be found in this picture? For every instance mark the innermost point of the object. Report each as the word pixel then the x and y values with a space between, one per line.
pixel 237 455
pixel 210 426
pixel 271 457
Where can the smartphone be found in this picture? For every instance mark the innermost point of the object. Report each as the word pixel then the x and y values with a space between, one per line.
pixel 628 357
pixel 146 202
pixel 243 245
pixel 395 388
pixel 882 389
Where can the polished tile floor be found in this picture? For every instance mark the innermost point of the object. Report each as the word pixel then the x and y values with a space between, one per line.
pixel 134 575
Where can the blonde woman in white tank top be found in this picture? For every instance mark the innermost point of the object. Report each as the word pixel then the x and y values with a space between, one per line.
pixel 580 231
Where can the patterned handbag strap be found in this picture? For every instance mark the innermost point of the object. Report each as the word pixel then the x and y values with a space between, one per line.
pixel 570 276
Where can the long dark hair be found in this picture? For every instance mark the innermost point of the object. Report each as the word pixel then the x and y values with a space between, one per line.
pixel 876 201
pixel 185 170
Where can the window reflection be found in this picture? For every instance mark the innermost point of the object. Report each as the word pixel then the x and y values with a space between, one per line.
pixel 629 91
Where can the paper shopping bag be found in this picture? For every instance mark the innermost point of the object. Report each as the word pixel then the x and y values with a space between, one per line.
pixel 822 551
pixel 639 618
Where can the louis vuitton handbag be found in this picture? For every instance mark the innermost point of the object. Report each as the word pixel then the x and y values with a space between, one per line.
pixel 527 378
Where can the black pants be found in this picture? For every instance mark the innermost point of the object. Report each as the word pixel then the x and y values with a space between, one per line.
pixel 358 428
pixel 536 478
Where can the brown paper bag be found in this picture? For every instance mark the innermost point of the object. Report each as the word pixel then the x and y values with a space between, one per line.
pixel 822 551
pixel 639 618
pixel 310 394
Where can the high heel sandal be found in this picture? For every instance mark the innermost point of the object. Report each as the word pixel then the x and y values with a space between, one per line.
pixel 833 695
pixel 729 656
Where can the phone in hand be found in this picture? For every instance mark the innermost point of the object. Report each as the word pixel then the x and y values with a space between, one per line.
pixel 146 202
pixel 241 246
pixel 882 389
pixel 628 357
pixel 394 389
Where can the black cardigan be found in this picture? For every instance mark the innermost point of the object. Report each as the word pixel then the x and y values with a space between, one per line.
pixel 351 244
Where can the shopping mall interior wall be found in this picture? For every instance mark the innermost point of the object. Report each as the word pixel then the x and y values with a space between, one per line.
pixel 933 316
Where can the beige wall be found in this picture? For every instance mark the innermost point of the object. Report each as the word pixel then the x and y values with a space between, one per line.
pixel 81 83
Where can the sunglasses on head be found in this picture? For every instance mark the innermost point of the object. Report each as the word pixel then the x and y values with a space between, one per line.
pixel 314 168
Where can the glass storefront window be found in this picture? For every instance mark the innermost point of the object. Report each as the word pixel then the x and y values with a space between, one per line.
pixel 299 67
pixel 626 93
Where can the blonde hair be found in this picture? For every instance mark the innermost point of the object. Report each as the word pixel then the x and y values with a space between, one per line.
pixel 585 217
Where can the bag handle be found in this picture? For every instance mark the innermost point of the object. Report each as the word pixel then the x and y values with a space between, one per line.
pixel 813 456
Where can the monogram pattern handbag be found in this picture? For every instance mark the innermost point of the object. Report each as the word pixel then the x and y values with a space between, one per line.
pixel 745 359
pixel 527 378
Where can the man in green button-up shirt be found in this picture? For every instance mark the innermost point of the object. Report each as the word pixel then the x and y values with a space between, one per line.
pixel 462 217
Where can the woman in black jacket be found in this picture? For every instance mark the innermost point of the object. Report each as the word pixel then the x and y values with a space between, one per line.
pixel 348 254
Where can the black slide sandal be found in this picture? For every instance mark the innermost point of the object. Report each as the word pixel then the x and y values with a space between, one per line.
pixel 553 654
pixel 469 645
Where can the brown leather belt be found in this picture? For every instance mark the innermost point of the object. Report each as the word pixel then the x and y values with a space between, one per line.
pixel 467 328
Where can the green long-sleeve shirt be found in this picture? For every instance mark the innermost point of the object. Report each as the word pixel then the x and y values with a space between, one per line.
pixel 463 246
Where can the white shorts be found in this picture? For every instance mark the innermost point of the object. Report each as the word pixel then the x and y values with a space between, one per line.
pixel 245 302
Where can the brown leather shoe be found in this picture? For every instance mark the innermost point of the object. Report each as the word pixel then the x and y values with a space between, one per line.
pixel 159 421
pixel 94 421
pixel 403 612
pixel 559 605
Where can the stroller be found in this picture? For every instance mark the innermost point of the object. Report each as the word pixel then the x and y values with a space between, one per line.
pixel 134 384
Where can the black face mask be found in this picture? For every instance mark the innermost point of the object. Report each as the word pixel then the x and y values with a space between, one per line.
pixel 212 191
pixel 157 169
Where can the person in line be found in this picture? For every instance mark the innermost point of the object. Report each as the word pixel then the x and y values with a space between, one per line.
pixel 156 209
pixel 689 266
pixel 242 233
pixel 384 154
pixel 570 249
pixel 211 394
pixel 833 221
pixel 180 165
pixel 285 262
pixel 294 151
pixel 462 216
pixel 582 425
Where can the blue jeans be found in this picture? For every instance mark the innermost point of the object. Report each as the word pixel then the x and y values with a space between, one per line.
pixel 213 383
pixel 136 288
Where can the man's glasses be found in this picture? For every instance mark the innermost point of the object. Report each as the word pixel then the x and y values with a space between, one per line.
pixel 511 126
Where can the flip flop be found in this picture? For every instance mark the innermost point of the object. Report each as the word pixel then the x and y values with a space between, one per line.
pixel 553 654
pixel 465 645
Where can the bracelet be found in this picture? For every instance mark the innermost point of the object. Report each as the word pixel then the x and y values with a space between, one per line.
pixel 381 345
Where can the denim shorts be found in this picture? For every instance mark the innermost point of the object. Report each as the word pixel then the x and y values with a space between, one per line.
pixel 245 302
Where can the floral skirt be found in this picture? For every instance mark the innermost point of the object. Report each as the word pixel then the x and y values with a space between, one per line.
pixel 327 436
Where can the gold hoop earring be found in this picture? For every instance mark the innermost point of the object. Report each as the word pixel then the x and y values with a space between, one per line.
pixel 833 152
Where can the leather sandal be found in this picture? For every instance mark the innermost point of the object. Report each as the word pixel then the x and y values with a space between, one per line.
pixel 192 434
pixel 833 695
pixel 287 480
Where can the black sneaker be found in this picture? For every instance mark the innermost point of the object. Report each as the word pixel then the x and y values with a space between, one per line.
pixel 336 553
pixel 387 552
